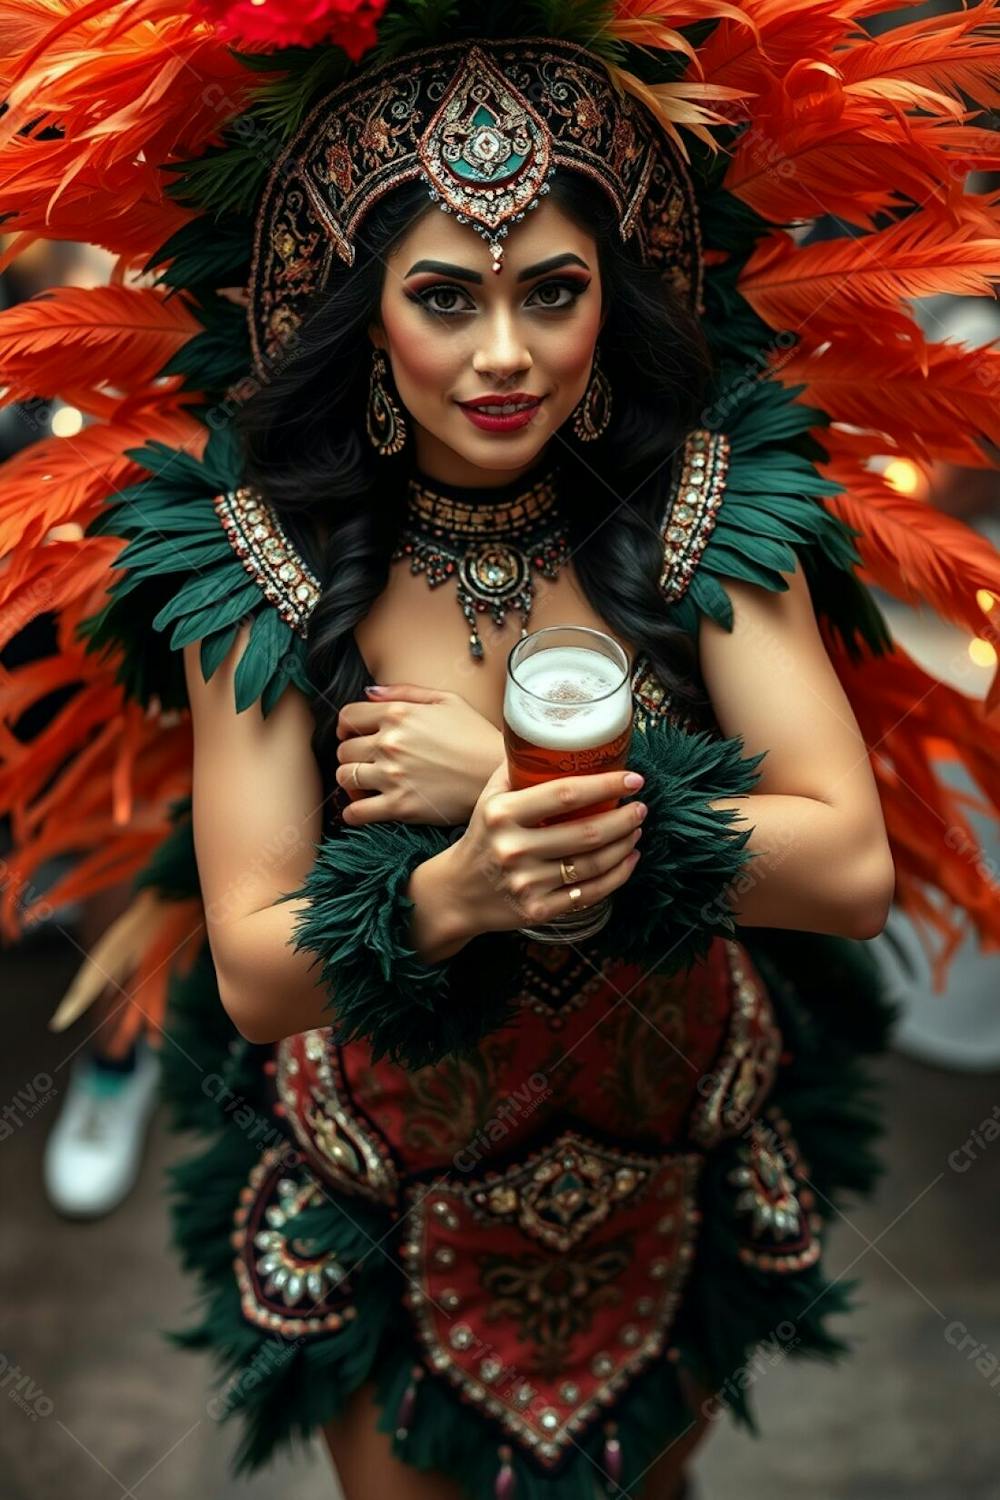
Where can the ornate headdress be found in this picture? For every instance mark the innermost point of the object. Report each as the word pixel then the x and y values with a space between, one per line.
pixel 484 125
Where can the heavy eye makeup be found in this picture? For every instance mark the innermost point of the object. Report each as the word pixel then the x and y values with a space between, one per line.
pixel 573 285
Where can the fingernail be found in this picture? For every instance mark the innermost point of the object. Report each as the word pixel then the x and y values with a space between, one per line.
pixel 633 780
pixel 375 688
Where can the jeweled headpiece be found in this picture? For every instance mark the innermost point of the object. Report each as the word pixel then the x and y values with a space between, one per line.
pixel 484 124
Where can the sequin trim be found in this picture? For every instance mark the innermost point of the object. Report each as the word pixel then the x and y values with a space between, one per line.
pixel 263 547
pixel 441 516
pixel 743 1074
pixel 341 1149
pixel 560 978
pixel 654 701
pixel 775 1204
pixel 691 515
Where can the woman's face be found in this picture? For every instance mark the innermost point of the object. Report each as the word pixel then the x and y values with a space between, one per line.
pixel 453 330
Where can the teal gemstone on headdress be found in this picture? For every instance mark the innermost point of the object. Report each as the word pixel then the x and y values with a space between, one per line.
pixel 488 153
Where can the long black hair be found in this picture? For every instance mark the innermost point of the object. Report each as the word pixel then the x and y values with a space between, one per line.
pixel 307 450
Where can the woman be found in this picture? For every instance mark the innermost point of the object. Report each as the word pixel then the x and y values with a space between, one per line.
pixel 429 748
pixel 499 1216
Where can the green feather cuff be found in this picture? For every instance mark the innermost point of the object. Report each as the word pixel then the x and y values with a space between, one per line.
pixel 675 903
pixel 356 917
pixel 357 923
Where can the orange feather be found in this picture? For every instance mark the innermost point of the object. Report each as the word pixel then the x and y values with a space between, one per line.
pixel 849 279
pixel 909 722
pixel 69 340
pixel 918 554
pixel 113 213
pixel 53 577
pixel 62 479
pixel 653 23
pixel 754 57
pixel 956 54
pixel 676 104
pixel 131 88
pixel 822 151
pixel 936 400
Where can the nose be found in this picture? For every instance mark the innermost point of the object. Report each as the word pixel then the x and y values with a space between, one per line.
pixel 501 353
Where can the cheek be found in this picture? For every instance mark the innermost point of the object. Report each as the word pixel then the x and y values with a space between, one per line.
pixel 423 365
pixel 569 354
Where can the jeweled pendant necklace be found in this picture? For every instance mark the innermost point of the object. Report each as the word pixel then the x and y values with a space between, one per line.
pixel 491 541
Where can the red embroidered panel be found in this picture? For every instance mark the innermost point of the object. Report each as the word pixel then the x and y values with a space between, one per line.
pixel 627 1061
pixel 540 1292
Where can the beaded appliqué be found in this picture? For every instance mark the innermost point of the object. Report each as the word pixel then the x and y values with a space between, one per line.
pixel 653 701
pixel 263 547
pixel 559 978
pixel 285 1286
pixel 342 1151
pixel 564 1271
pixel 743 1074
pixel 691 517
pixel 781 1229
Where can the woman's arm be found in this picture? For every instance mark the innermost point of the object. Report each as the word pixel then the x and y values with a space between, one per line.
pixel 822 857
pixel 257 819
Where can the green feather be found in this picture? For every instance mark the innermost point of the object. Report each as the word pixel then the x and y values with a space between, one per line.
pixel 214 254
pixel 217 356
pixel 355 912
pixel 356 921
pixel 178 573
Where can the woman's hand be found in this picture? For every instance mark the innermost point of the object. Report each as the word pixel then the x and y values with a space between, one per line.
pixel 504 872
pixel 423 755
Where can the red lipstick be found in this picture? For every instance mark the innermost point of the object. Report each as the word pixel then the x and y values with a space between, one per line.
pixel 498 421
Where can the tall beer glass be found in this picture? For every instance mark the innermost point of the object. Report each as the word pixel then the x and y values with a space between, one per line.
pixel 567 712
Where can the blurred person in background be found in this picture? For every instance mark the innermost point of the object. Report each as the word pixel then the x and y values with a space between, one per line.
pixel 94 1148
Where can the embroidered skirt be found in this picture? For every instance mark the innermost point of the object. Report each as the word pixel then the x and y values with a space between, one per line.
pixel 527 1248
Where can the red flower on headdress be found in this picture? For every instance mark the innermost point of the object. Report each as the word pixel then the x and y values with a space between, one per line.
pixel 266 25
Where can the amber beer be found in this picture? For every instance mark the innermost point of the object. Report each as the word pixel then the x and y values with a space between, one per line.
pixel 567 712
pixel 566 718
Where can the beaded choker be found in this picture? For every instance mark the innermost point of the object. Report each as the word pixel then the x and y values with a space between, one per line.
pixel 489 540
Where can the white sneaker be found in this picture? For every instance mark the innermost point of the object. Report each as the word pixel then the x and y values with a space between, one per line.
pixel 93 1152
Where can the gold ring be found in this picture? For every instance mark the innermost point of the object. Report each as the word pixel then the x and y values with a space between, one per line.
pixel 568 872
pixel 574 897
pixel 357 785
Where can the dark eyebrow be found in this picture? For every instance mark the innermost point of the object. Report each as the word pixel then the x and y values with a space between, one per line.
pixel 441 268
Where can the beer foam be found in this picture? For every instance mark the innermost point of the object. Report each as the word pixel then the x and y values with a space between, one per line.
pixel 566 678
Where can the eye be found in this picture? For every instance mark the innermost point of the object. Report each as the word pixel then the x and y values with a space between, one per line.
pixel 443 289
pixel 574 288
pixel 427 298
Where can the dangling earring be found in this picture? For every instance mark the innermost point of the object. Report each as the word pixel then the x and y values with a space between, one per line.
pixel 385 422
pixel 594 412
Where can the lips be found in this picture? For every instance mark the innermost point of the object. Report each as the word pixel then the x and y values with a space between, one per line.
pixel 512 416
pixel 517 400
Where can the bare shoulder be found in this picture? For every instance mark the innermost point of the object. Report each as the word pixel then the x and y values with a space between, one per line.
pixel 771 681
pixel 213 704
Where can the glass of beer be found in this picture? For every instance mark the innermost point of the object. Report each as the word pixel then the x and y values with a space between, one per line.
pixel 567 711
